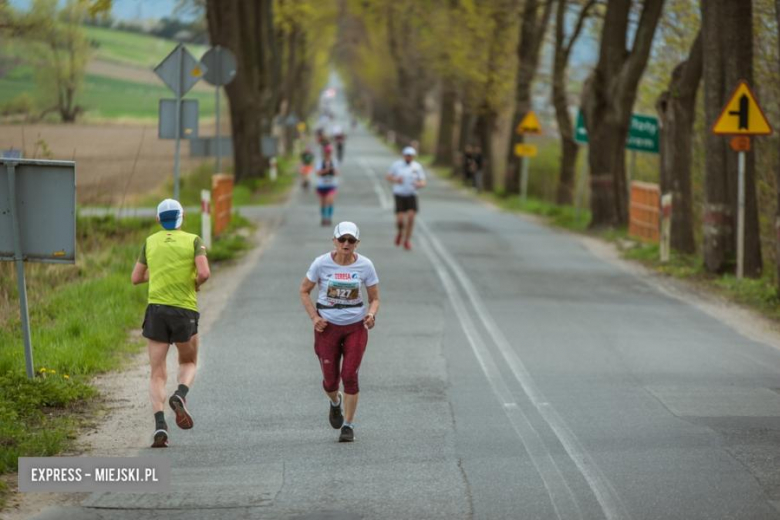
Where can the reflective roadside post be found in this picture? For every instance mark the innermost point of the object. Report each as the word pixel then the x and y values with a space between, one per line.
pixel 666 226
pixel 205 217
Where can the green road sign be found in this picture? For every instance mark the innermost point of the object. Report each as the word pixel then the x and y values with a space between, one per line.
pixel 642 136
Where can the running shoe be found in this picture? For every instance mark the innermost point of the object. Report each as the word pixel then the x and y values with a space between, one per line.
pixel 335 416
pixel 183 417
pixel 398 239
pixel 160 439
pixel 408 245
pixel 347 434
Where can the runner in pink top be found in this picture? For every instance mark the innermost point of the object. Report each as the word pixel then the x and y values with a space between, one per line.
pixel 341 323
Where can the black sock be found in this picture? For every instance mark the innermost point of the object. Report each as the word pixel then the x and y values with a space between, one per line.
pixel 182 390
pixel 159 421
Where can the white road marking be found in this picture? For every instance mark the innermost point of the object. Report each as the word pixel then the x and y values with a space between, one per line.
pixel 561 496
pixel 384 200
pixel 603 490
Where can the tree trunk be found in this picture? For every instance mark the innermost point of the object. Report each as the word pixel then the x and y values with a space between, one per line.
pixel 486 123
pixel 676 112
pixel 446 125
pixel 409 110
pixel 777 188
pixel 528 47
pixel 569 147
pixel 608 99
pixel 242 27
pixel 727 38
pixel 287 97
pixel 465 132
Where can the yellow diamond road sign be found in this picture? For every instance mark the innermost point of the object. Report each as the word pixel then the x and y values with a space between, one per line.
pixel 529 125
pixel 742 115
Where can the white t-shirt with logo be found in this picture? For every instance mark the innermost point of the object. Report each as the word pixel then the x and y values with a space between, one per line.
pixel 409 174
pixel 327 181
pixel 340 285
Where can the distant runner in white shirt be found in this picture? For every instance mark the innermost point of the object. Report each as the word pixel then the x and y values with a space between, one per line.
pixel 341 323
pixel 407 176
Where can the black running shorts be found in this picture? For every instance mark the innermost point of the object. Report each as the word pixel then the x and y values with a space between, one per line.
pixel 404 203
pixel 168 324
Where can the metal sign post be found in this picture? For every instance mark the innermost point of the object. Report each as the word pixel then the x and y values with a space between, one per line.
pixel 218 168
pixel 221 64
pixel 529 125
pixel 741 215
pixel 180 71
pixel 30 233
pixel 525 152
pixel 177 125
pixel 524 177
pixel 19 261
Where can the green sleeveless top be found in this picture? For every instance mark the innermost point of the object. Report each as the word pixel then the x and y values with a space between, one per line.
pixel 170 258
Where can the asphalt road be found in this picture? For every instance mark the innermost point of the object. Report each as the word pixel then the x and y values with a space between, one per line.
pixel 511 374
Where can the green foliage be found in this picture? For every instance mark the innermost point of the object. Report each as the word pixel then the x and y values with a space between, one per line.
pixel 675 34
pixel 567 217
pixel 759 293
pixel 34 414
pixel 21 104
pixel 61 52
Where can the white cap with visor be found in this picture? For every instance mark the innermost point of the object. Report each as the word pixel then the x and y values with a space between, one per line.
pixel 346 228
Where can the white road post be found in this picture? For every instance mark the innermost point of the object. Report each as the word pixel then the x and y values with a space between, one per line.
pixel 666 226
pixel 205 217
pixel 524 178
pixel 272 162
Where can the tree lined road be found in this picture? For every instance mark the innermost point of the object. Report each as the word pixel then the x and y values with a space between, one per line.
pixel 511 374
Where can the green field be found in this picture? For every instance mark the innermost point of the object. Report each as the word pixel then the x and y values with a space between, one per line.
pixel 105 98
pixel 128 48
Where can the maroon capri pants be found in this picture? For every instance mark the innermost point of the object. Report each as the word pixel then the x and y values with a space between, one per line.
pixel 333 344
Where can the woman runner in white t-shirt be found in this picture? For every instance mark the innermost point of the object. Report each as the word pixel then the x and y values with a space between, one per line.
pixel 340 320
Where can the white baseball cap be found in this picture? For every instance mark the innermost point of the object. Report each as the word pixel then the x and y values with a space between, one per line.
pixel 346 228
pixel 170 214
pixel 409 151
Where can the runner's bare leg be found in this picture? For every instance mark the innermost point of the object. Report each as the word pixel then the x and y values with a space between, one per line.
pixel 188 360
pixel 159 375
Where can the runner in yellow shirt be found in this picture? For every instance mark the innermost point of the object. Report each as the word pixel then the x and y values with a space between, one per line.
pixel 175 265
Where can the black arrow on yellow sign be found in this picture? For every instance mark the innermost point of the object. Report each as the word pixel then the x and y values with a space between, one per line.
pixel 742 113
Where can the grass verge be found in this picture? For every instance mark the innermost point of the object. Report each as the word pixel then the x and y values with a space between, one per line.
pixel 568 217
pixel 251 191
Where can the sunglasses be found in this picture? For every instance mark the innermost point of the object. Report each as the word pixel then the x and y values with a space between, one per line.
pixel 351 240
